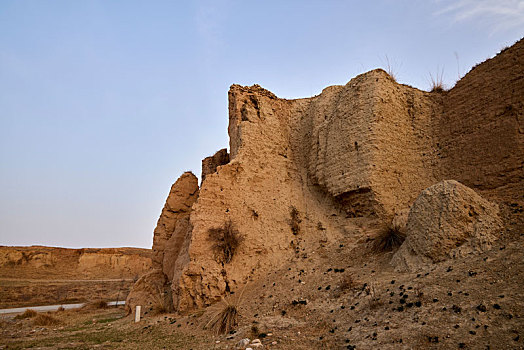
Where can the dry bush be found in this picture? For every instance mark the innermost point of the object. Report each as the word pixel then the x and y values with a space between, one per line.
pixel 226 319
pixel 388 239
pixel 347 283
pixel 226 240
pixel 389 67
pixel 160 305
pixel 295 220
pixel 45 320
pixel 29 313
pixel 437 81
pixel 97 304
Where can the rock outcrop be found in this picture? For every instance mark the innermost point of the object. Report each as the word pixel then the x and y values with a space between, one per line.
pixel 86 263
pixel 170 244
pixel 304 173
pixel 166 244
pixel 447 220
pixel 211 164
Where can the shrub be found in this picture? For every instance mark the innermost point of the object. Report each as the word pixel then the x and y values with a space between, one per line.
pixel 346 284
pixel 226 319
pixel 295 220
pixel 97 304
pixel 388 67
pixel 160 305
pixel 29 313
pixel 437 81
pixel 226 240
pixel 45 320
pixel 388 239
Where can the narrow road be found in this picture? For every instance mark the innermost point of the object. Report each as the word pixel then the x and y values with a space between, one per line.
pixel 19 310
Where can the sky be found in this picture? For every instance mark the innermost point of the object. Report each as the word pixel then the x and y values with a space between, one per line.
pixel 105 103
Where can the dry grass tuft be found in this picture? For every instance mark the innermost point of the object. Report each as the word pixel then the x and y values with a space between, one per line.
pixel 45 320
pixel 388 239
pixel 389 67
pixel 437 81
pixel 226 320
pixel 97 304
pixel 295 220
pixel 226 240
pixel 160 304
pixel 347 283
pixel 29 313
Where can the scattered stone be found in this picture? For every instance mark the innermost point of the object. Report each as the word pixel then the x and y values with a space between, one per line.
pixel 481 308
pixel 456 308
pixel 433 339
pixel 242 343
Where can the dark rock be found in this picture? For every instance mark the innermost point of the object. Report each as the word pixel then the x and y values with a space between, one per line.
pixel 456 308
pixel 433 339
pixel 481 308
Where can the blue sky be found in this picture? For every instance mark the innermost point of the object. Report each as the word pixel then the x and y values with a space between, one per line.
pixel 103 104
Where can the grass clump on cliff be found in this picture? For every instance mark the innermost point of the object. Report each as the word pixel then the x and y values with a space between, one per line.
pixel 388 239
pixel 226 240
pixel 295 220
pixel 437 81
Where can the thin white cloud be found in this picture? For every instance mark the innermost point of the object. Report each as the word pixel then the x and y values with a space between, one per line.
pixel 497 15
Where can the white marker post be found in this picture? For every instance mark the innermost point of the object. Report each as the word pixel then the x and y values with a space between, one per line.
pixel 137 313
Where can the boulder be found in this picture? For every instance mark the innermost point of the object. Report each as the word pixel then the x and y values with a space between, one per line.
pixel 148 290
pixel 447 220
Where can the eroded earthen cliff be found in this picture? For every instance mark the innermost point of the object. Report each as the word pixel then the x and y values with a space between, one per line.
pixel 309 172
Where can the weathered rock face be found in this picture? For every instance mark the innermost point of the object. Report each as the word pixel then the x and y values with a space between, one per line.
pixel 305 172
pixel 481 131
pixel 171 239
pixel 87 263
pixel 147 292
pixel 447 220
pixel 183 194
pixel 210 164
